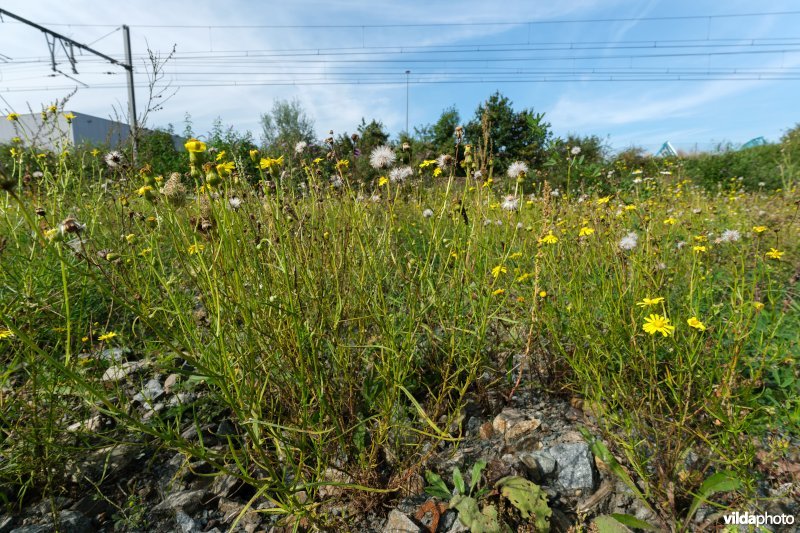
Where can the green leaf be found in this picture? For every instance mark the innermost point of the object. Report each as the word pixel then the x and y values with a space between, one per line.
pixel 458 481
pixel 719 482
pixel 632 521
pixel 477 470
pixel 529 498
pixel 471 515
pixel 607 524
pixel 437 487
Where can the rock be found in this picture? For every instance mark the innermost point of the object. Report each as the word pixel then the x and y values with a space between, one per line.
pixel 74 522
pixel 6 523
pixel 151 392
pixel 189 501
pixel 33 529
pixel 91 425
pixel 486 431
pixel 170 382
pixel 400 523
pixel 231 510
pixel 185 522
pixel 224 485
pixel 575 466
pixel 540 464
pixel 118 372
pixel 114 355
pixel 514 423
pixel 334 476
pixel 110 462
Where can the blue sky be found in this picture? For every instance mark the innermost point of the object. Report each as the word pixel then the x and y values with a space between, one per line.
pixel 544 55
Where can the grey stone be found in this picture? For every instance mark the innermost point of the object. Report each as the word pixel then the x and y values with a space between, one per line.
pixel 170 382
pixel 33 529
pixel 151 392
pixel 185 522
pixel 118 372
pixel 514 423
pixel 575 467
pixel 110 462
pixel 6 523
pixel 400 523
pixel 189 501
pixel 540 465
pixel 74 522
pixel 224 485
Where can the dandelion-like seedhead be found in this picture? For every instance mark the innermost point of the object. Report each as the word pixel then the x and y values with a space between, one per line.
pixel 629 241
pixel 400 174
pixel 300 147
pixel 444 161
pixel 428 213
pixel 114 159
pixel 235 202
pixel 517 169
pixel 730 235
pixel 575 150
pixel 382 157
pixel 510 203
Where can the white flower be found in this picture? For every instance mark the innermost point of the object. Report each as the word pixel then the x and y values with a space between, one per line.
pixel 637 180
pixel 375 198
pixel 520 225
pixel 680 244
pixel 761 183
pixel 444 161
pixel 428 213
pixel 336 181
pixel 486 222
pixel 477 175
pixel 730 235
pixel 498 222
pixel 113 159
pixel 400 174
pixel 235 202
pixel 555 193
pixel 382 156
pixel 666 173
pixel 575 150
pixel 38 174
pixel 516 169
pixel 300 147
pixel 629 241
pixel 511 203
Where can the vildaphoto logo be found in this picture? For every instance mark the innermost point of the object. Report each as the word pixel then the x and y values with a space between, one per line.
pixel 746 519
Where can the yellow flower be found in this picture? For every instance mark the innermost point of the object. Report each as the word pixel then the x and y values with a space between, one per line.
pixel 427 163
pixel 585 231
pixel 95 152
pixel 650 301
pixel 658 324
pixel 630 207
pixel 268 162
pixel 5 334
pixel 759 229
pixel 499 269
pixel 318 160
pixel 696 324
pixel 253 154
pixel 52 109
pixel 130 238
pixel 225 169
pixel 670 221
pixel 383 181
pixel 523 277
pixel 195 249
pixel 13 117
pixel 70 117
pixel 107 336
pixel 144 190
pixel 220 155
pixel 193 145
pixel 758 305
pixel 15 152
pixel 699 248
pixel 498 292
pixel 548 239
pixel 542 294
pixel 774 254
pixel 437 172
pixel 16 140
pixel 145 252
pixel 515 255
pixel 342 164
pixel 603 200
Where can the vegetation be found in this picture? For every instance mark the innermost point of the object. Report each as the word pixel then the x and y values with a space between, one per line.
pixel 337 313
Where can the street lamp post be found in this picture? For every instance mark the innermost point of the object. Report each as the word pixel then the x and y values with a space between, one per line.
pixel 407 74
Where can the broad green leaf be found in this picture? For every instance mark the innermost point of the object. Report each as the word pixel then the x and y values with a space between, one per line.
pixel 632 521
pixel 529 498
pixel 719 482
pixel 437 487
pixel 458 481
pixel 477 470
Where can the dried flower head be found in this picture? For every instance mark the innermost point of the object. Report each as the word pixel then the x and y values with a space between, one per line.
pixel 510 203
pixel 381 157
pixel 300 147
pixel 444 161
pixel 400 174
pixel 517 169
pixel 114 159
pixel 629 241
pixel 174 191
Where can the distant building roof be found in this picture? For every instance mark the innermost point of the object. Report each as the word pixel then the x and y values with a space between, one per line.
pixel 667 150
pixel 54 132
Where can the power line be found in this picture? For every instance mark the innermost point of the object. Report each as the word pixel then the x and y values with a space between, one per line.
pixel 440 24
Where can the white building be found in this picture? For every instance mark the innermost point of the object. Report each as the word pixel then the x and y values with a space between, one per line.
pixel 55 133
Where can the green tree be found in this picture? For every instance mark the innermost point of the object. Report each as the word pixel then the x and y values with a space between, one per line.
pixel 438 138
pixel 286 125
pixel 513 135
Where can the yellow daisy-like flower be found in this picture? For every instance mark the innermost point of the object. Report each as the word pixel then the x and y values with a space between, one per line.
pixel 760 229
pixel 523 277
pixel 95 152
pixel 144 190
pixel 193 145
pixel 515 255
pixel 774 254
pixel 437 172
pixel 542 294
pixel 758 305
pixel 225 169
pixel 646 302
pixel 630 207
pixel 603 200
pixel 585 231
pixel 5 334
pixel 220 156
pixel 13 117
pixel 342 164
pixel 658 324
pixel 696 324
pixel 548 239
pixel 195 249
pixel 498 292
pixel 427 163
pixel 269 162
pixel 70 117
pixel 106 336
pixel 699 249
pixel 499 269
pixel 670 221
pixel 383 180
